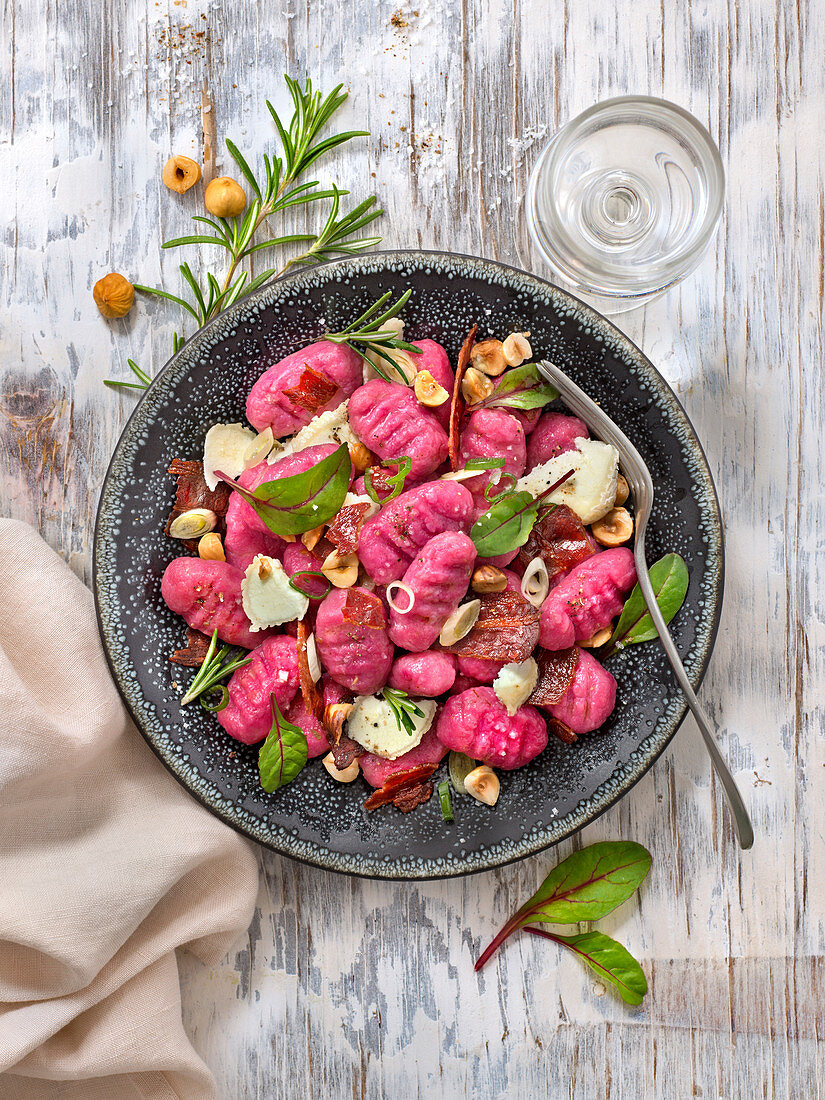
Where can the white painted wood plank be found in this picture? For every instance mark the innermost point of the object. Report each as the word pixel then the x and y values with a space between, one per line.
pixel 366 988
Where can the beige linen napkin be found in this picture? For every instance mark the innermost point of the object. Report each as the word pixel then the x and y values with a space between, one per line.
pixel 106 864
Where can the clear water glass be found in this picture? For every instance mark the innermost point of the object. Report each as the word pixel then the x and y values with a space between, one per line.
pixel 624 200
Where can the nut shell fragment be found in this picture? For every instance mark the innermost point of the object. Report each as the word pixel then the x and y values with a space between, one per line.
pixel 614 529
pixel 341 570
pixel 341 775
pixel 516 349
pixel 429 392
pixel 475 386
pixel 488 357
pixel 483 784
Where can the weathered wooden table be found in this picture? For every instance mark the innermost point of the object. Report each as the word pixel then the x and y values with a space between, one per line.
pixel 363 988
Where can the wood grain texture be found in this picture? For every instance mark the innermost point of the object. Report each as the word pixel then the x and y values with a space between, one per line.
pixel 367 989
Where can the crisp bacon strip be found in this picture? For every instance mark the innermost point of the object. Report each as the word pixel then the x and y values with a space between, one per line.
pixel 399 783
pixel 457 404
pixel 560 730
pixel 194 654
pixel 344 532
pixel 556 672
pixel 313 391
pixel 560 539
pixel 192 491
pixel 507 629
pixel 363 609
pixel 313 701
pixel 407 800
pixel 344 751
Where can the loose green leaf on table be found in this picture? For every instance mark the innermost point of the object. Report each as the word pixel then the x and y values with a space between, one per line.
pixel 611 962
pixel 508 523
pixel 669 577
pixel 587 885
pixel 284 753
pixel 292 505
pixel 521 388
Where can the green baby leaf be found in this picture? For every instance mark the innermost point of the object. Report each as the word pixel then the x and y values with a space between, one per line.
pixel 521 388
pixel 508 523
pixel 669 577
pixel 587 885
pixel 284 753
pixel 612 962
pixel 292 505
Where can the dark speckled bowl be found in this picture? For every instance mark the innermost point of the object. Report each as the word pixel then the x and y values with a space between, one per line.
pixel 314 818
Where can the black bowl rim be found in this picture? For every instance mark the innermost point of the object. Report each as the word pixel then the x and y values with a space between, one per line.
pixel 618 338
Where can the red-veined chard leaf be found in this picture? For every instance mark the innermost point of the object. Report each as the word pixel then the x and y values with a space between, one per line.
pixel 508 523
pixel 587 885
pixel 611 962
pixel 294 504
pixel 521 388
pixel 284 753
pixel 669 578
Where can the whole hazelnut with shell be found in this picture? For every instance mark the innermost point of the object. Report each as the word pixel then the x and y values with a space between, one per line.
pixel 180 173
pixel 225 198
pixel 113 295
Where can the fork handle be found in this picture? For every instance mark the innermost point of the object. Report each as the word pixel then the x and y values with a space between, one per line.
pixel 741 819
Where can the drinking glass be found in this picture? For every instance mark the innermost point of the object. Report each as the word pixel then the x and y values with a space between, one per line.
pixel 624 200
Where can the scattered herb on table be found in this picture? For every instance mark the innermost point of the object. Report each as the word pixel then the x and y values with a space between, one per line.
pixel 276 193
pixel 367 332
pixel 669 578
pixel 403 708
pixel 284 753
pixel 217 665
pixel 586 886
pixel 292 505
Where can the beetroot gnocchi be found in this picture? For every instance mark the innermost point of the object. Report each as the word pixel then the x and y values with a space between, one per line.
pixel 371 589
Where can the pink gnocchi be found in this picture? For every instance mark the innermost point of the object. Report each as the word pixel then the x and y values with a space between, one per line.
pixel 477 724
pixel 272 670
pixel 357 654
pixel 387 418
pixel 207 594
pixel 438 577
pixel 588 598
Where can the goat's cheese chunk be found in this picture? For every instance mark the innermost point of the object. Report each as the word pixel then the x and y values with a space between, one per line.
pixel 516 683
pixel 225 449
pixel 591 491
pixel 268 598
pixel 329 427
pixel 372 724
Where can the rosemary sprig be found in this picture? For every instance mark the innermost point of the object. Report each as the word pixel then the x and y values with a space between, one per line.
pixel 213 671
pixel 278 191
pixel 367 331
pixel 403 708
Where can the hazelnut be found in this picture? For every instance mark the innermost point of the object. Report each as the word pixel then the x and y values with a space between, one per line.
pixel 341 570
pixel 360 456
pixel 622 490
pixel 516 349
pixel 210 548
pixel 310 539
pixel 225 198
pixel 181 173
pixel 428 391
pixel 114 296
pixel 345 775
pixel 613 529
pixel 488 357
pixel 487 578
pixel 335 714
pixel 482 783
pixel 600 638
pixel 475 386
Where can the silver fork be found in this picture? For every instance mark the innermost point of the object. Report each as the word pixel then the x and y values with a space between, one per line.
pixel 641 487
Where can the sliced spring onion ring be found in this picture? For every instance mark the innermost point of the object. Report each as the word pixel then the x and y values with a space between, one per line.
pixel 313 662
pixel 401 587
pixel 495 485
pixel 444 798
pixel 193 523
pixel 259 448
pixel 396 480
pixel 222 702
pixel 460 623
pixel 535 584
pixel 460 767
pixel 310 573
